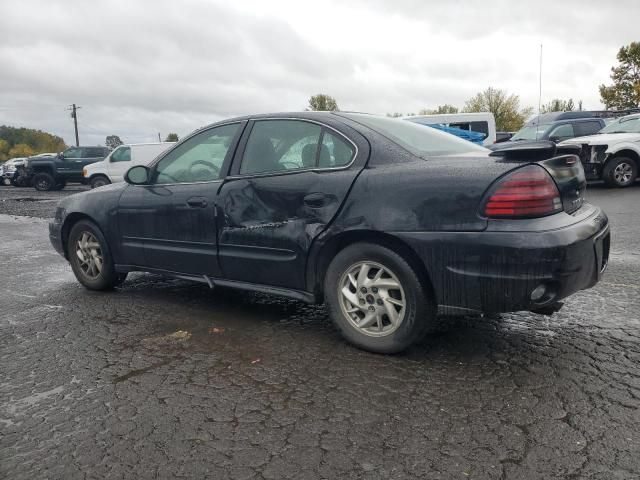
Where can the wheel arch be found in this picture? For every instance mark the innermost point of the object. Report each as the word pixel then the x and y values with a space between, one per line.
pixel 330 248
pixel 625 152
pixel 68 224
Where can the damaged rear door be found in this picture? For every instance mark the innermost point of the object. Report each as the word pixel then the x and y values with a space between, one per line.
pixel 288 181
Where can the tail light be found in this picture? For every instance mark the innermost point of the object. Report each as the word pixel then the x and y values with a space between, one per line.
pixel 528 192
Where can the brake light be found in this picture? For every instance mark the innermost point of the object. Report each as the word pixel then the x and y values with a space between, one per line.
pixel 528 192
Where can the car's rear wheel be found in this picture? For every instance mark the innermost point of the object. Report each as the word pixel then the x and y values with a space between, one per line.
pixel 90 257
pixel 99 181
pixel 43 182
pixel 376 299
pixel 620 172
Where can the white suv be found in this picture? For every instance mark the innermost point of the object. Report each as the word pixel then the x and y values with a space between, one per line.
pixel 612 154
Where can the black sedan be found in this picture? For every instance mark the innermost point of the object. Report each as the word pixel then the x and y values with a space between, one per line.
pixel 386 221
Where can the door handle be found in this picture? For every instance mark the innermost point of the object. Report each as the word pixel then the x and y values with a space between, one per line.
pixel 197 202
pixel 315 200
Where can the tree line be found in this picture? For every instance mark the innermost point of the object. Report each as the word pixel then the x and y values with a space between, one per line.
pixel 623 94
pixel 25 142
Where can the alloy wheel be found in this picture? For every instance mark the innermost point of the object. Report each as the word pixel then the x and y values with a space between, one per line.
pixel 372 299
pixel 89 253
pixel 623 173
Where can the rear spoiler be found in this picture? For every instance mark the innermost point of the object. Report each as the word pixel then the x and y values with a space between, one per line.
pixel 534 150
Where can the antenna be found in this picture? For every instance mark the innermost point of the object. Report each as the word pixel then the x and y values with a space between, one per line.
pixel 539 94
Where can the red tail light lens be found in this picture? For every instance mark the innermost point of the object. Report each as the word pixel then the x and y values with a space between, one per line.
pixel 528 192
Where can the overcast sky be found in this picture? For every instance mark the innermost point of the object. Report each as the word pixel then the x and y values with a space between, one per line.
pixel 138 68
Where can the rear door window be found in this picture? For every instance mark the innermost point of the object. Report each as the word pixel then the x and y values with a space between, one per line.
pixel 586 128
pixel 280 145
pixel 334 151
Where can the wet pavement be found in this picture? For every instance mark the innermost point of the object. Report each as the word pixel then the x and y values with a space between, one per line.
pixel 167 379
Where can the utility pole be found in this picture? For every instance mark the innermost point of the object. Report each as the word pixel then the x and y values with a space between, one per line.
pixel 74 115
pixel 159 137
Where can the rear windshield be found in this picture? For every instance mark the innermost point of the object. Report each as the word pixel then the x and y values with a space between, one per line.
pixel 418 139
pixel 623 125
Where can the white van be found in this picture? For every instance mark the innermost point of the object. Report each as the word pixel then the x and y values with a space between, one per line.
pixel 116 164
pixel 483 123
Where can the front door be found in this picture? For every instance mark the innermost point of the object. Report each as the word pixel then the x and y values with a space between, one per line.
pixel 170 224
pixel 287 183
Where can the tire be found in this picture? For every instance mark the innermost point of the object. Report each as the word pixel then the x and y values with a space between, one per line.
pixel 60 185
pixel 383 335
pixel 6 181
pixel 86 240
pixel 43 182
pixel 99 181
pixel 620 172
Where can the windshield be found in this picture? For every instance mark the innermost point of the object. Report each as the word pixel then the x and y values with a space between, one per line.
pixel 417 139
pixel 533 132
pixel 623 125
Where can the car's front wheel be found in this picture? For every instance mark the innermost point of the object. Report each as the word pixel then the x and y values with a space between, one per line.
pixel 376 299
pixel 90 257
pixel 99 181
pixel 620 172
pixel 43 182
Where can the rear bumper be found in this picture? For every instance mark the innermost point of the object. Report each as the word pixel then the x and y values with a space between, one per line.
pixel 497 270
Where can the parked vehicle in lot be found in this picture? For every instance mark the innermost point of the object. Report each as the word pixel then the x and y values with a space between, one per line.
pixel 8 170
pixel 556 127
pixel 384 220
pixel 612 155
pixel 116 164
pixel 53 172
pixel 465 125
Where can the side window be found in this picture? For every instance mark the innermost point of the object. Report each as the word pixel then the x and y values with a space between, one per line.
pixel 587 128
pixel 335 151
pixel 94 153
pixel 199 159
pixel 73 152
pixel 562 132
pixel 121 154
pixel 278 145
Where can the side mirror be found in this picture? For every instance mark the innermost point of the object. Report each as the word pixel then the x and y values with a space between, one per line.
pixel 554 139
pixel 61 155
pixel 138 175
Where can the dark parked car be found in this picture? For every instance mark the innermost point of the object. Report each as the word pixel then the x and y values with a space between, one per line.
pixel 503 136
pixel 555 126
pixel 384 220
pixel 53 172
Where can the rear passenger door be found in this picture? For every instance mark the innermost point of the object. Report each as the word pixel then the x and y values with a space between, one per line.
pixel 288 180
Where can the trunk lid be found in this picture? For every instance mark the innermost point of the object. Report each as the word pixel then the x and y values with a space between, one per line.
pixel 560 161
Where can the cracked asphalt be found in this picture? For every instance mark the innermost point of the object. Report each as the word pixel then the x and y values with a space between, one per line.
pixel 167 379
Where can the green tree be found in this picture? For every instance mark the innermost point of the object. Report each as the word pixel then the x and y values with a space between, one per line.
pixel 112 141
pixel 37 140
pixel 559 105
pixel 21 150
pixel 505 108
pixel 4 150
pixel 625 91
pixel 322 102
pixel 172 137
pixel 441 109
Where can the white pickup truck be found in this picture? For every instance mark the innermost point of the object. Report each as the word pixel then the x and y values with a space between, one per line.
pixel 116 164
pixel 612 154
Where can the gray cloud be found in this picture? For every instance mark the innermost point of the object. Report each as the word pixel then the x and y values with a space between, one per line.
pixel 138 68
